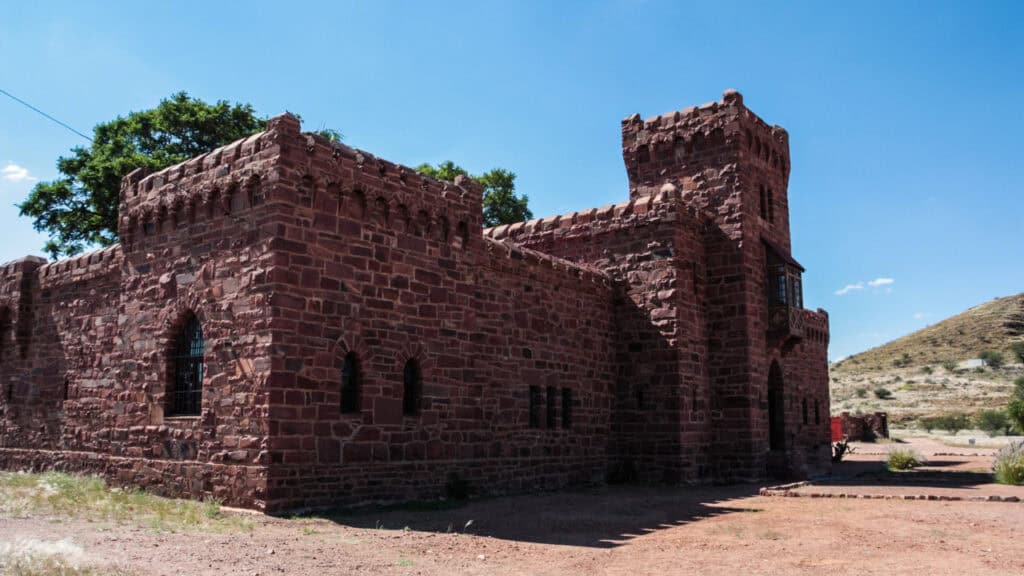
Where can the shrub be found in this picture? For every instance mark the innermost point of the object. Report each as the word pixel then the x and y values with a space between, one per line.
pixel 883 393
pixel 992 358
pixel 992 422
pixel 950 365
pixel 902 361
pixel 927 369
pixel 951 423
pixel 862 392
pixel 903 459
pixel 1018 350
pixel 840 449
pixel 1009 464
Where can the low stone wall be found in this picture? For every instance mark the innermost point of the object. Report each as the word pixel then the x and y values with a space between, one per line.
pixel 866 427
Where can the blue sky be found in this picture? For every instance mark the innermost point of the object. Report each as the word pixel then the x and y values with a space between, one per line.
pixel 905 118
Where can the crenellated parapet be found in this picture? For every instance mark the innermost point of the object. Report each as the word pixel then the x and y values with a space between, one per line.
pixel 582 272
pixel 657 203
pixel 82 267
pixel 329 177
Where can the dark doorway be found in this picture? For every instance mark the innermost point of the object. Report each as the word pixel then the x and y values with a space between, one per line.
pixel 776 409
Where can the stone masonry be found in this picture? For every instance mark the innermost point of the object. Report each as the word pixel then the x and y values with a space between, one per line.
pixel 662 339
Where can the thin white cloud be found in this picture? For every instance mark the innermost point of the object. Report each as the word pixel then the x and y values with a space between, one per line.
pixel 849 288
pixel 876 283
pixel 921 315
pixel 14 173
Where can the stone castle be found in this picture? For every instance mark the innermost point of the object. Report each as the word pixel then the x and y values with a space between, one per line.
pixel 293 323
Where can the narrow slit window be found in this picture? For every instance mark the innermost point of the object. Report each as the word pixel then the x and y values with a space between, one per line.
pixel 412 388
pixel 566 408
pixel 535 406
pixel 552 414
pixel 805 410
pixel 350 384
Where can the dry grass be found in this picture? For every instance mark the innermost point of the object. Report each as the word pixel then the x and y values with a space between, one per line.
pixel 89 497
pixel 25 557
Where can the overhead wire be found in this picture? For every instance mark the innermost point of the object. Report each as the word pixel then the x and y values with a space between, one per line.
pixel 41 113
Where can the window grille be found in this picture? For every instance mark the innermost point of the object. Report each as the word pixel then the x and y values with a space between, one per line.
pixel 185 396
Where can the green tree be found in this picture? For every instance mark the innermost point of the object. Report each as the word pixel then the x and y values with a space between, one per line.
pixel 80 207
pixel 501 204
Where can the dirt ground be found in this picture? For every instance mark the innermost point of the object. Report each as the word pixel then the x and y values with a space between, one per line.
pixel 617 530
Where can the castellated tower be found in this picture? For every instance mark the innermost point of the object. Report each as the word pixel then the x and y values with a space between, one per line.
pixel 725 160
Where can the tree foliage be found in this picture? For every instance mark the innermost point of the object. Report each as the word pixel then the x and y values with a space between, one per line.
pixel 79 208
pixel 501 204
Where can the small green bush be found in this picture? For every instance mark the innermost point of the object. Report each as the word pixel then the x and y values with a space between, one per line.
pixel 883 393
pixel 862 392
pixel 902 361
pixel 992 422
pixel 950 365
pixel 927 369
pixel 951 423
pixel 903 459
pixel 992 358
pixel 1009 464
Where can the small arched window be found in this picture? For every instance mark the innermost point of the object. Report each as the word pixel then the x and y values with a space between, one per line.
pixel 186 393
pixel 350 384
pixel 412 387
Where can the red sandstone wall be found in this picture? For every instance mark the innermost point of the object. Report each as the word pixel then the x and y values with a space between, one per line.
pixel 372 260
pixel 651 247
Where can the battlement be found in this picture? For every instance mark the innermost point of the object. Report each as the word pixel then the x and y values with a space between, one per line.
pixel 283 165
pixel 677 145
pixel 81 267
pixel 582 272
pixel 665 202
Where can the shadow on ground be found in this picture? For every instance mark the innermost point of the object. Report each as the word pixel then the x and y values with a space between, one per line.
pixel 602 517
pixel 933 474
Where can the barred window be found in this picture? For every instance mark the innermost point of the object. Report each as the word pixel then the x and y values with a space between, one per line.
pixel 185 395
pixel 351 382
pixel 412 389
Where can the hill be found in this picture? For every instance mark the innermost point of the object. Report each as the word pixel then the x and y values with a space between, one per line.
pixel 925 371
pixel 993 325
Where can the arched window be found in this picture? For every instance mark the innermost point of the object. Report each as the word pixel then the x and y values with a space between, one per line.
pixel 350 384
pixel 186 393
pixel 412 388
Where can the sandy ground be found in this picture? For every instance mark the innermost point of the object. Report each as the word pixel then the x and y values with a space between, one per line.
pixel 618 530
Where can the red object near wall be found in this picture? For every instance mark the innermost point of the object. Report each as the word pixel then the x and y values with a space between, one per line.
pixel 837 428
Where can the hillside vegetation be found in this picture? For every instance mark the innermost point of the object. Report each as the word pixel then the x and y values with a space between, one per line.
pixel 925 374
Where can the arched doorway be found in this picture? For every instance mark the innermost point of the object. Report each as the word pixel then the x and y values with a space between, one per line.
pixel 776 409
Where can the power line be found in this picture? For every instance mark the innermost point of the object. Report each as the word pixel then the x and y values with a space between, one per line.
pixel 40 112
